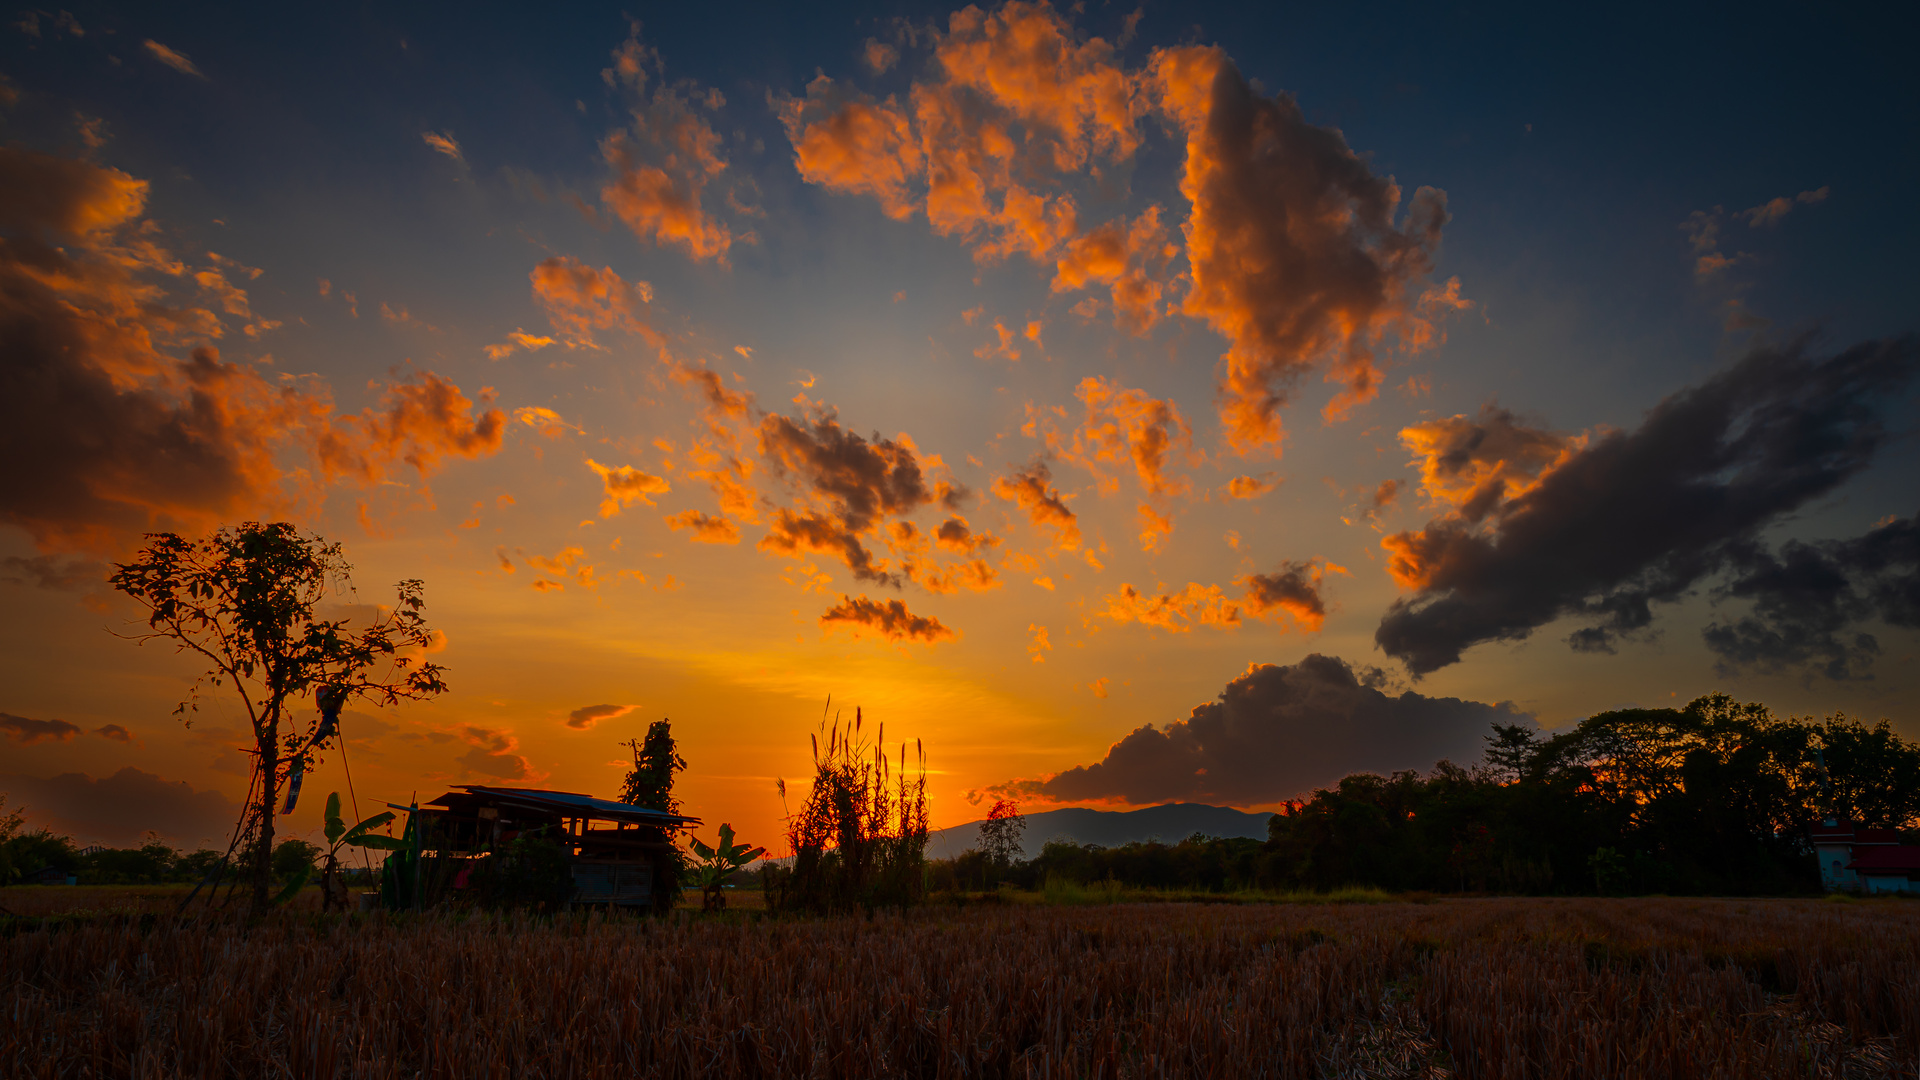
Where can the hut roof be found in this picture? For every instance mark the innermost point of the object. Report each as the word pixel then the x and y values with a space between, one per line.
pixel 471 797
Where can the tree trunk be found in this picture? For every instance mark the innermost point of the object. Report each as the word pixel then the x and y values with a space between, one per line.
pixel 263 848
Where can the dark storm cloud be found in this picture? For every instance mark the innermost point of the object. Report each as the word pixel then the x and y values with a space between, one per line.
pixel 862 479
pixel 857 484
pixel 890 620
pixel 1634 518
pixel 1810 598
pixel 1294 587
pixel 119 810
pixel 52 572
pixel 586 716
pixel 26 731
pixel 1279 731
pixel 106 432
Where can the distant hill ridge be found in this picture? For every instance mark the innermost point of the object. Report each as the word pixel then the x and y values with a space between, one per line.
pixel 1169 823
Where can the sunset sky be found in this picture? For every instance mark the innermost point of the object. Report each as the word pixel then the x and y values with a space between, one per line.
pixel 1024 376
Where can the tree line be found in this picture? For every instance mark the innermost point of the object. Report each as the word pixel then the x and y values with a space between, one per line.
pixel 1713 798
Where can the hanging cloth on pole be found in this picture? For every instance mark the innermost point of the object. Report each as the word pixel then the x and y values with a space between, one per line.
pixel 330 699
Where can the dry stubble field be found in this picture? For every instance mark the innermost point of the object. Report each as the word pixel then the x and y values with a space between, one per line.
pixel 1468 988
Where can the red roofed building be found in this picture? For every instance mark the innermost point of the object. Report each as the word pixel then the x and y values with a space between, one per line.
pixel 1867 860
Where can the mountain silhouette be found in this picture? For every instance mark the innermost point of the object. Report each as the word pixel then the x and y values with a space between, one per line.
pixel 1169 823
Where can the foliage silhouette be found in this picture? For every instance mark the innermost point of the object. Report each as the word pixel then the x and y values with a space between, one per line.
pixel 244 598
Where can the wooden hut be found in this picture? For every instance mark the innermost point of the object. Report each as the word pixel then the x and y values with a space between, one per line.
pixel 616 852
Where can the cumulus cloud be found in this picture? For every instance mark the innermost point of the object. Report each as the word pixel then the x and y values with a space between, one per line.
pixel 1250 487
pixel 1127 427
pixel 890 620
pixel 580 300
pixel 1011 99
pixel 1133 260
pixel 854 145
pixel 705 528
pixel 1292 592
pixel 1300 255
pixel 1175 612
pixel 493 754
pixel 1276 732
pixel 664 163
pixel 1028 488
pixel 119 810
pixel 625 485
pixel 419 422
pixel 1293 589
pixel 1297 253
pixel 852 483
pixel 1474 464
pixel 27 731
pixel 1810 599
pixel 1605 526
pixel 583 718
pixel 109 432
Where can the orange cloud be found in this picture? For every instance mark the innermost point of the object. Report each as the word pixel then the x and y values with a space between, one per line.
pixel 176 60
pixel 1037 644
pixel 1250 487
pixel 723 404
pixel 661 168
pixel 974 575
pixel 415 422
pixel 855 147
pixel 706 528
pixel 1770 213
pixel 1132 260
pixel 1293 590
pixel 1073 99
pixel 1123 426
pixel 791 533
pixel 1300 255
pixel 1197 604
pixel 568 562
pixel 1011 99
pixel 890 620
pixel 954 534
pixel 580 299
pixel 626 485
pixel 548 423
pixel 1028 489
pixel 729 476
pixel 519 339
pixel 444 143
pixel 109 432
pixel 1473 465
pixel 1004 350
pixel 1154 527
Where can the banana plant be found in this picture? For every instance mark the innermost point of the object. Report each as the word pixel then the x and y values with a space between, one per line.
pixel 720 862
pixel 340 835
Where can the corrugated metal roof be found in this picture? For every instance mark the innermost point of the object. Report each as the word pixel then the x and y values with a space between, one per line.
pixel 1887 860
pixel 573 804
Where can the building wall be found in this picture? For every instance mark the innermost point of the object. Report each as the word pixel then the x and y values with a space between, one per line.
pixel 1833 866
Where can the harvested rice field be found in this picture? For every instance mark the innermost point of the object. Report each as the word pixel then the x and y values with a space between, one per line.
pixel 1506 988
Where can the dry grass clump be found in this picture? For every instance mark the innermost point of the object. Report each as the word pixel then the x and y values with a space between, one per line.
pixel 1483 988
